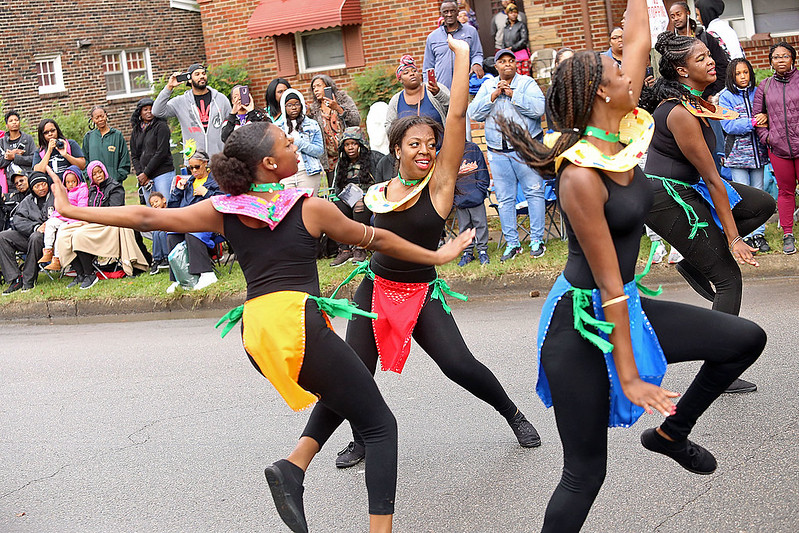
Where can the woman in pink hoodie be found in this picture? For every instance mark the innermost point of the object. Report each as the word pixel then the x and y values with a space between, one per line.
pixel 78 194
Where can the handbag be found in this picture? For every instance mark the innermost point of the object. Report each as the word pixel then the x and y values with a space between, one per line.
pixel 522 55
pixel 350 194
pixel 179 263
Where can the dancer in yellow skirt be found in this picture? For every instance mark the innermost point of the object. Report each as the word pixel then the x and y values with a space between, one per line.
pixel 286 331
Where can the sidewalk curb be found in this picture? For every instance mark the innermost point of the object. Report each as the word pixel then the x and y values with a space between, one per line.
pixel 772 266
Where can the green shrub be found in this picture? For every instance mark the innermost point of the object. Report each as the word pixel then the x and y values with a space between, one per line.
pixel 761 74
pixel 375 84
pixel 74 123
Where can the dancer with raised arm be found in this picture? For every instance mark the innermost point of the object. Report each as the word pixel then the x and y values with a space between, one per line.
pixel 286 330
pixel 407 296
pixel 594 308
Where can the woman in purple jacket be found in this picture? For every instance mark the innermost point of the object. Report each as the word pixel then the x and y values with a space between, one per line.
pixel 777 108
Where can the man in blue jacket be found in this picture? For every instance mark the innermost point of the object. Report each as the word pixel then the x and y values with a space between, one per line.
pixel 519 99
pixel 471 191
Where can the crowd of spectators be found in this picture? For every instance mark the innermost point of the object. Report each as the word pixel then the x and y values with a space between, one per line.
pixel 334 151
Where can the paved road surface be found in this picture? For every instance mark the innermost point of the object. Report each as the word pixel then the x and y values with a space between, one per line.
pixel 163 426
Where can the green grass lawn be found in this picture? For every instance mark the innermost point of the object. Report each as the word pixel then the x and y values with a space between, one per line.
pixel 147 286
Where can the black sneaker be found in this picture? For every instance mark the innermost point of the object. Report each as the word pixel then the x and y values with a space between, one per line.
pixel 788 244
pixel 154 268
pixel 524 430
pixel 75 282
pixel 163 264
pixel 15 286
pixel 696 280
pixel 285 482
pixel 762 244
pixel 689 455
pixel 353 454
pixel 537 249
pixel 740 385
pixel 750 242
pixel 510 253
pixel 26 287
pixel 88 282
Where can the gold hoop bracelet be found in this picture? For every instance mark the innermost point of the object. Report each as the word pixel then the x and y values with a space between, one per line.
pixel 371 239
pixel 615 300
pixel 360 243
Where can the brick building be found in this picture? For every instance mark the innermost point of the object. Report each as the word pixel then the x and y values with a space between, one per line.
pixel 296 39
pixel 88 52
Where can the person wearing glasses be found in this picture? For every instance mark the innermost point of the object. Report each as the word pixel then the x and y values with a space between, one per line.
pixel 188 191
pixel 616 45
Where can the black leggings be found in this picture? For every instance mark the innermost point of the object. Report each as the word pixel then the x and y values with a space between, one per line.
pixel 83 264
pixel 346 389
pixel 364 216
pixel 578 379
pixel 708 251
pixel 438 335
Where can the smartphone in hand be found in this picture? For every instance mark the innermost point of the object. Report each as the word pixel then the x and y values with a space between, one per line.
pixel 244 95
pixel 431 75
pixel 182 78
pixel 329 92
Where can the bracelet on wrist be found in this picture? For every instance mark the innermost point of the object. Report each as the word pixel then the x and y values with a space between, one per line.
pixel 615 300
pixel 735 240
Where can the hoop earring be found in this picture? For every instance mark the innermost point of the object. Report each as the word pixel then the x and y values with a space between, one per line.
pixel 607 99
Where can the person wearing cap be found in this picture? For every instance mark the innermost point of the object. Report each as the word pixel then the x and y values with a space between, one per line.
pixel 16 147
pixel 190 190
pixel 26 235
pixel 519 99
pixel 416 98
pixel 19 190
pixel 437 54
pixel 201 111
pixel 150 153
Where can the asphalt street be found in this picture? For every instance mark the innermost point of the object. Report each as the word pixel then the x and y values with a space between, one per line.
pixel 159 425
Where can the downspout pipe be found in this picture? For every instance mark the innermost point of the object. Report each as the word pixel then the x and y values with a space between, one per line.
pixel 589 41
pixel 609 14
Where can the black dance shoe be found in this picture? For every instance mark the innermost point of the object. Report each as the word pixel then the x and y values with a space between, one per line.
pixel 285 482
pixel 353 454
pixel 524 430
pixel 689 455
pixel 739 386
pixel 696 280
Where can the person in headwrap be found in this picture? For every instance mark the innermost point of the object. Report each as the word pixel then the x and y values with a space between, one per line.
pixel 355 173
pixel 150 153
pixel 274 91
pixel 430 100
pixel 307 135
pixel 333 115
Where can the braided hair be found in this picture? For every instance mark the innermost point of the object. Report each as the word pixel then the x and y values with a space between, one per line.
pixel 674 50
pixel 235 167
pixel 569 103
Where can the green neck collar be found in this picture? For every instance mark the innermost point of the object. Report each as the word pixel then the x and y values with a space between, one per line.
pixel 694 92
pixel 408 183
pixel 267 187
pixel 591 131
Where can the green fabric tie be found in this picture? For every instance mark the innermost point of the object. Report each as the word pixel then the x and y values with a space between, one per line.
pixel 340 307
pixel 232 317
pixel 440 288
pixel 638 277
pixel 582 298
pixel 362 268
pixel 693 218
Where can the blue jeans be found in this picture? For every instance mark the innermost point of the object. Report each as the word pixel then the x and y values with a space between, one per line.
pixel 754 178
pixel 160 247
pixel 509 173
pixel 162 184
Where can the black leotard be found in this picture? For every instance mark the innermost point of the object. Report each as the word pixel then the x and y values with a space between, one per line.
pixel 664 157
pixel 625 210
pixel 262 254
pixel 421 224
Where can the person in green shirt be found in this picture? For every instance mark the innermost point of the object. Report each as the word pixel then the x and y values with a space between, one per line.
pixel 106 144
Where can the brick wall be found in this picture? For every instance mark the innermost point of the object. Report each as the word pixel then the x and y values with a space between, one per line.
pixel 389 29
pixel 757 49
pixel 44 27
pixel 557 23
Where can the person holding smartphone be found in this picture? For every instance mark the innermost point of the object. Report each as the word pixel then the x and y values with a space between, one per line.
pixel 416 97
pixel 243 112
pixel 334 110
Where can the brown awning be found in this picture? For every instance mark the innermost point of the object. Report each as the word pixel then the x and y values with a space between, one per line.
pixel 278 17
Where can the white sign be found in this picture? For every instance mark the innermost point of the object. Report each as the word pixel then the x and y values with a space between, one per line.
pixel 658 19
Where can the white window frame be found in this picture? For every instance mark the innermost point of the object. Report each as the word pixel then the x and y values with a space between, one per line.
pixel 59 74
pixel 301 62
pixel 186 5
pixel 749 22
pixel 125 74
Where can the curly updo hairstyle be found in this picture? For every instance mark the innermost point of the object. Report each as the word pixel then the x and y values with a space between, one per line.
pixel 675 50
pixel 234 169
pixel 569 103
pixel 398 128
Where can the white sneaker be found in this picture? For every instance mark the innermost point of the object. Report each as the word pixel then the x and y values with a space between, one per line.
pixel 206 279
pixel 660 253
pixel 674 256
pixel 173 287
